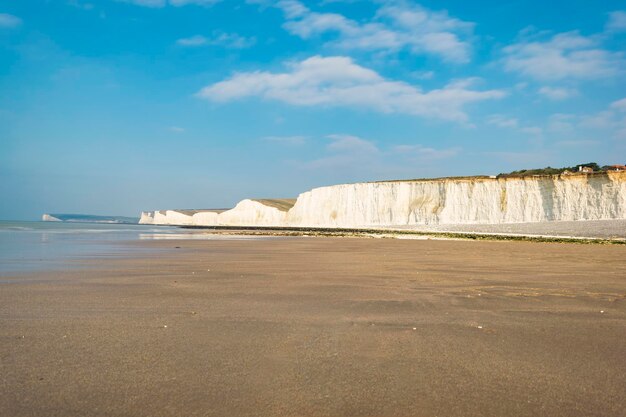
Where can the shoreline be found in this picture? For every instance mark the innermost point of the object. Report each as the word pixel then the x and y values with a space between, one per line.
pixel 402 233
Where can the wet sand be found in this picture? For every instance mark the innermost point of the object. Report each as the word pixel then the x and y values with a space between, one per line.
pixel 321 327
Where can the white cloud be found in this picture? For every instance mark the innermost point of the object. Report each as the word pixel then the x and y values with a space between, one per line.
pixel 616 22
pixel 619 105
pixel 175 3
pixel 347 153
pixel 396 26
pixel 560 122
pixel 423 152
pixel 611 122
pixel 351 144
pixel 423 75
pixel 354 154
pixel 197 40
pixel 9 21
pixel 228 40
pixel 177 129
pixel 338 81
pixel 196 2
pixel 532 130
pixel 577 143
pixel 292 8
pixel 557 93
pixel 502 121
pixel 80 5
pixel 565 55
pixel 147 3
pixel 287 140
pixel 600 120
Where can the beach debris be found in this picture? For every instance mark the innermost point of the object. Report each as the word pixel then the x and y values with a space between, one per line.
pixel 479 327
pixel 208 270
pixel 601 311
pixel 414 328
pixel 165 326
pixel 193 312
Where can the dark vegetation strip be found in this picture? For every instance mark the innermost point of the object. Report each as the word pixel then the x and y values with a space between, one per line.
pixel 332 232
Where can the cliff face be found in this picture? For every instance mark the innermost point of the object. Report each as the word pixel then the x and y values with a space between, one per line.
pixel 245 213
pixel 442 201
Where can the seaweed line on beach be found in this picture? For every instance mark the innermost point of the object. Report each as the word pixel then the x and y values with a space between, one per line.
pixel 393 234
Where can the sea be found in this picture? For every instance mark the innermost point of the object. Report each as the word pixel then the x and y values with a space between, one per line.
pixel 36 246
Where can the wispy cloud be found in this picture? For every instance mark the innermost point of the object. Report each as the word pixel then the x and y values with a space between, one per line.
pixel 228 40
pixel 427 153
pixel 196 40
pixel 338 81
pixel 600 120
pixel 512 123
pixel 557 93
pixel 351 144
pixel 175 3
pixel 564 55
pixel 583 143
pixel 613 119
pixel 561 122
pixel 502 121
pixel 176 129
pixel 532 130
pixel 295 140
pixel 396 26
pixel 346 152
pixel 616 22
pixel 350 152
pixel 146 3
pixel 80 5
pixel 196 2
pixel 423 75
pixel 619 105
pixel 9 21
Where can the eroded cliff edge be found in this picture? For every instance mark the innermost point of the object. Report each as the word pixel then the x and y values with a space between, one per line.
pixel 471 200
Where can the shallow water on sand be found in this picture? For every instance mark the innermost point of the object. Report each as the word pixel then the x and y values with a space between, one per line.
pixel 36 246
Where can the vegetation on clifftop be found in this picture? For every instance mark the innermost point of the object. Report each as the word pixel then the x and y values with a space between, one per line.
pixel 555 171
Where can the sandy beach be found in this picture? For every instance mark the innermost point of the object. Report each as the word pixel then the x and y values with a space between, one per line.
pixel 320 327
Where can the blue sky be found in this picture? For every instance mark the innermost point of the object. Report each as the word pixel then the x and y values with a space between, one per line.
pixel 111 107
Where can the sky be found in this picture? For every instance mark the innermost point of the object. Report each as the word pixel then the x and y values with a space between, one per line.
pixel 113 107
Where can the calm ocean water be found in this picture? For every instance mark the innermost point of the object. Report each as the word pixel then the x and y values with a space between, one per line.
pixel 32 246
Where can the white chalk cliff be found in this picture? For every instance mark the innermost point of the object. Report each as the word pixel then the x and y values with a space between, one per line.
pixel 246 213
pixel 473 200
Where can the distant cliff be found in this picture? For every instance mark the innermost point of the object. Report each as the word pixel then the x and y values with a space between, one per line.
pixel 88 218
pixel 471 200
